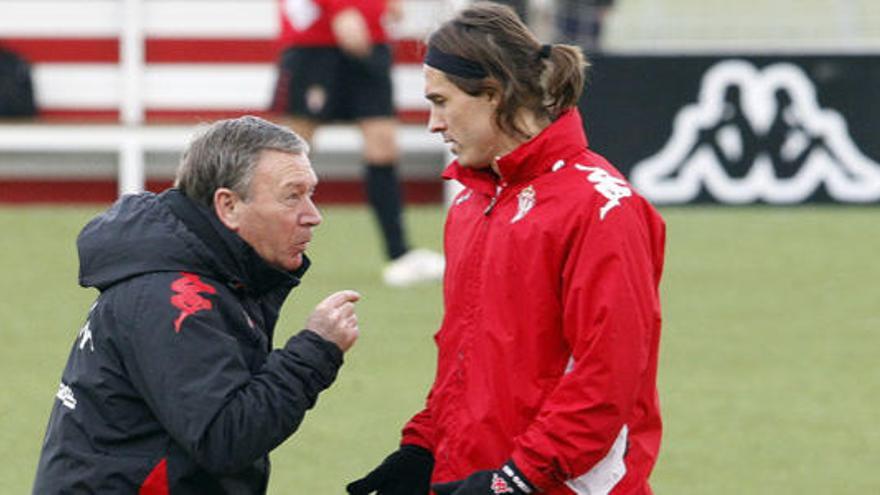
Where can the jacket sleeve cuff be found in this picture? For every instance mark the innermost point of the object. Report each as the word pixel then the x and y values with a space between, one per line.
pixel 418 432
pixel 333 352
pixel 416 441
pixel 541 480
pixel 326 356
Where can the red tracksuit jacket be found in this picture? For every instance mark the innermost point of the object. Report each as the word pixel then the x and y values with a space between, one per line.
pixel 548 346
pixel 307 22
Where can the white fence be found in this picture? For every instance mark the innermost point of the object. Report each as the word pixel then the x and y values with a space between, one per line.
pixel 123 60
pixel 102 67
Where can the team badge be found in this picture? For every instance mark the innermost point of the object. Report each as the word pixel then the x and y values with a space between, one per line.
pixel 499 485
pixel 316 98
pixel 188 298
pixel 526 199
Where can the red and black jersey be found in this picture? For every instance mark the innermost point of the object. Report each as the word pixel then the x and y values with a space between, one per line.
pixel 547 353
pixel 307 22
pixel 172 385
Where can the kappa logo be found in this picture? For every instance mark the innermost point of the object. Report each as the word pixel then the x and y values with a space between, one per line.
pixel 65 395
pixel 85 337
pixel 85 333
pixel 758 134
pixel 464 197
pixel 188 298
pixel 607 185
pixel 499 485
pixel 526 200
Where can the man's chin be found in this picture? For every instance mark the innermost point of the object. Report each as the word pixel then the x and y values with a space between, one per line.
pixel 293 263
pixel 468 162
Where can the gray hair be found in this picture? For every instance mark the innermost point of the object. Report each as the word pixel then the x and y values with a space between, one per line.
pixel 225 154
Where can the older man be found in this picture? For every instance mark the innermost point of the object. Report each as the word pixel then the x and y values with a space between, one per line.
pixel 172 385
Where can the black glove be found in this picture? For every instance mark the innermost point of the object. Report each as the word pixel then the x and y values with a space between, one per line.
pixel 507 480
pixel 405 472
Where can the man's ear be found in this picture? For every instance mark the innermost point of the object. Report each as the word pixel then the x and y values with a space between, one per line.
pixel 228 208
pixel 493 91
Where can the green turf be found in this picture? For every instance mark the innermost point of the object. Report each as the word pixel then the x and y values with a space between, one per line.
pixel 769 376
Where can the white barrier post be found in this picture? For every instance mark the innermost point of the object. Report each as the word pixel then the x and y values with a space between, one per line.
pixel 131 164
pixel 131 176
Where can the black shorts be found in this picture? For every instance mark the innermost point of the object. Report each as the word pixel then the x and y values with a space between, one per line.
pixel 325 84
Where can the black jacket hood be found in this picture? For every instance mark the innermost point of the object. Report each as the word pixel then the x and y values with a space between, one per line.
pixel 146 232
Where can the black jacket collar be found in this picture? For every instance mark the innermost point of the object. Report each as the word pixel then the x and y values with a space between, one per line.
pixel 237 261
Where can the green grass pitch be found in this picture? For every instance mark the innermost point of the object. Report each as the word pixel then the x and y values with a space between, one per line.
pixel 769 377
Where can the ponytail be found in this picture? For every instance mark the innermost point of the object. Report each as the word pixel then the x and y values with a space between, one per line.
pixel 504 57
pixel 563 78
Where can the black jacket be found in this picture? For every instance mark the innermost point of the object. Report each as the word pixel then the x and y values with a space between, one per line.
pixel 171 383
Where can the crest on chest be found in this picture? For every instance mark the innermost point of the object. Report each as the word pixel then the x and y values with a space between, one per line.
pixel 525 202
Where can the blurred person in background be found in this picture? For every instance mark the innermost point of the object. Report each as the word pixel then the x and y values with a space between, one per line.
pixel 576 22
pixel 16 86
pixel 547 353
pixel 579 22
pixel 336 66
pixel 172 385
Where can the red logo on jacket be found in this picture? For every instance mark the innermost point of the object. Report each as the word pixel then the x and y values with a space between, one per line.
pixel 499 485
pixel 188 300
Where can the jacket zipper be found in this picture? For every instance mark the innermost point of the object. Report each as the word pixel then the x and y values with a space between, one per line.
pixel 498 190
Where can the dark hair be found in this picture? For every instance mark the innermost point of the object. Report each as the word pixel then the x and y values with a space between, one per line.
pixel 545 81
pixel 225 154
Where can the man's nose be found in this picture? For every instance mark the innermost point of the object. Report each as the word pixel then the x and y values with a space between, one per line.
pixel 312 215
pixel 435 122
